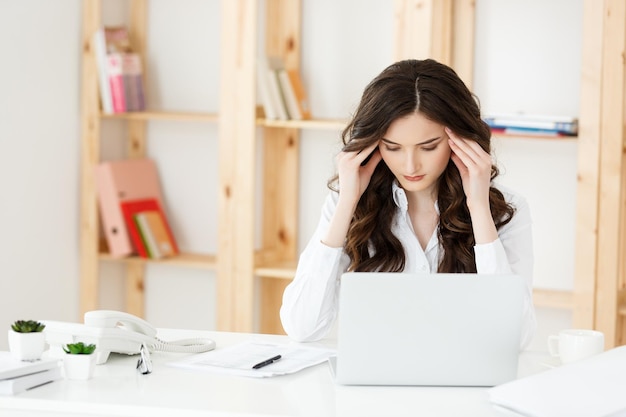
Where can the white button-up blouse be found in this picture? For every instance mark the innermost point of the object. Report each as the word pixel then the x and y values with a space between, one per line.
pixel 310 301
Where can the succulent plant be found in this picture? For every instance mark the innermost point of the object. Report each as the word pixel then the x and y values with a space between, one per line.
pixel 27 326
pixel 79 348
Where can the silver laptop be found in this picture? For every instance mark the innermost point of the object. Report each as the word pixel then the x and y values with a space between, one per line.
pixel 428 329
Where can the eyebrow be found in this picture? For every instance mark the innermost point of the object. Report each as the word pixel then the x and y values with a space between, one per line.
pixel 426 142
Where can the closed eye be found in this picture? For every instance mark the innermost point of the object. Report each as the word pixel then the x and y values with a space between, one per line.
pixel 391 148
pixel 429 148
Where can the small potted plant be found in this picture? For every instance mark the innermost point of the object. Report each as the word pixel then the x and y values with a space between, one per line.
pixel 26 340
pixel 80 362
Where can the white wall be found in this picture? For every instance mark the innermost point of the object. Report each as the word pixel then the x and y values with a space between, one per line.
pixel 39 153
pixel 40 139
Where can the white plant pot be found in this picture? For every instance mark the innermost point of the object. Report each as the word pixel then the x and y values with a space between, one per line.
pixel 26 346
pixel 80 367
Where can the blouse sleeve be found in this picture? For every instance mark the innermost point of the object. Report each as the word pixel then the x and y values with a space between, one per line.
pixel 309 305
pixel 512 252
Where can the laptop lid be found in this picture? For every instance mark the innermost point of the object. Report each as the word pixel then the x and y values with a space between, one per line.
pixel 428 329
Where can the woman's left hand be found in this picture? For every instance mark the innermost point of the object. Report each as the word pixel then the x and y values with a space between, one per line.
pixel 474 164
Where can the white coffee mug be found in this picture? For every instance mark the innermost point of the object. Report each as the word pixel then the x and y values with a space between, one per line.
pixel 572 345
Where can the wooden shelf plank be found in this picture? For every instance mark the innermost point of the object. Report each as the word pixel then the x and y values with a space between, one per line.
pixel 531 136
pixel 190 260
pixel 541 297
pixel 322 124
pixel 553 298
pixel 339 124
pixel 163 115
pixel 281 270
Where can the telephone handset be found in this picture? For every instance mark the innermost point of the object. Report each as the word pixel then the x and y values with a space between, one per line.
pixel 120 320
pixel 119 332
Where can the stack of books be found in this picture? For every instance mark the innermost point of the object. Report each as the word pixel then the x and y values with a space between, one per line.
pixel 282 91
pixel 119 70
pixel 18 376
pixel 541 125
pixel 131 209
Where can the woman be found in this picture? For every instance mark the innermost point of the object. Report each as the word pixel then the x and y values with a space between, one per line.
pixel 414 192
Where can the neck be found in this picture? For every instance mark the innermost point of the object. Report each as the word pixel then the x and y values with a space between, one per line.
pixel 421 201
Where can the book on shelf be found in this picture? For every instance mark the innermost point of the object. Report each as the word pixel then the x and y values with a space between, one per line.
pixel 132 78
pixel 537 124
pixel 269 76
pixel 130 209
pixel 289 95
pixel 281 90
pixel 264 88
pixel 116 82
pixel 99 43
pixel 302 98
pixel 294 94
pixel 119 71
pixel 155 234
pixel 525 131
pixel 16 385
pixel 119 181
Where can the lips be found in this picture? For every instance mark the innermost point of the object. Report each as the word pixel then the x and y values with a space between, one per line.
pixel 415 178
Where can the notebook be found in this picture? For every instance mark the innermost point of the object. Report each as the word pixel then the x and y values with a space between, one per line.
pixel 428 329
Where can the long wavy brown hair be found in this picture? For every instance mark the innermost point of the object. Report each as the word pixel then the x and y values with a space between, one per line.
pixel 436 91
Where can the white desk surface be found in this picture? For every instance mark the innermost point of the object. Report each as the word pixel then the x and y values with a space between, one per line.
pixel 117 389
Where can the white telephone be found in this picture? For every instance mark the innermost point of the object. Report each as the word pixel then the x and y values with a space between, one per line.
pixel 116 331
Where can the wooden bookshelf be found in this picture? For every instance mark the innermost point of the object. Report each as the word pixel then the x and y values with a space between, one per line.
pixel 446 33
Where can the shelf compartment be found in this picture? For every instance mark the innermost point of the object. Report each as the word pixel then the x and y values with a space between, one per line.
pixel 190 260
pixel 163 115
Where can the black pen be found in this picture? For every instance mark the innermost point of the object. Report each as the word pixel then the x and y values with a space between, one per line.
pixel 266 362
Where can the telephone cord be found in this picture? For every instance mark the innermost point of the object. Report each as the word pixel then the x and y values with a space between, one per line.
pixel 184 345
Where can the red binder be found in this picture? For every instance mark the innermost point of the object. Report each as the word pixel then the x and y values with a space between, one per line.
pixel 118 182
pixel 129 209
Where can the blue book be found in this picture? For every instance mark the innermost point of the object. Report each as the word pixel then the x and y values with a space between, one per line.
pixel 534 123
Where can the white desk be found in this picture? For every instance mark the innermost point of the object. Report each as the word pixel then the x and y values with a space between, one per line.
pixel 117 389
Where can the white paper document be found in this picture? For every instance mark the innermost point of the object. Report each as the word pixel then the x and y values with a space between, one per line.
pixel 239 359
pixel 593 387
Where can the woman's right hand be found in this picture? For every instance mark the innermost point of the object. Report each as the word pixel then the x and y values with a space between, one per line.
pixel 354 177
pixel 353 180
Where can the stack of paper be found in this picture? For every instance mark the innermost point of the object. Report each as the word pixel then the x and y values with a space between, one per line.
pixel 17 376
pixel 594 387
pixel 240 359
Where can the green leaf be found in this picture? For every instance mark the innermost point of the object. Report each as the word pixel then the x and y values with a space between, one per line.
pixel 79 348
pixel 27 326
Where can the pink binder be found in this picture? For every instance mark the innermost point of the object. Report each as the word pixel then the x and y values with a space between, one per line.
pixel 120 181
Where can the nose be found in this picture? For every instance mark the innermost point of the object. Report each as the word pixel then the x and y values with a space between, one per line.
pixel 412 163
